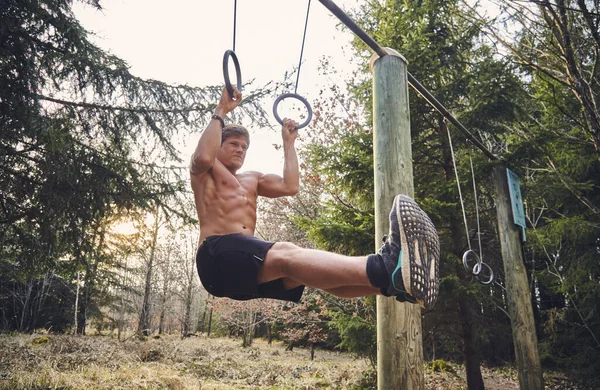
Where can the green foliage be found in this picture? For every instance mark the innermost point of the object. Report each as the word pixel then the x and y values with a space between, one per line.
pixel 368 381
pixel 331 232
pixel 359 335
pixel 83 144
pixel 446 53
pixel 441 366
pixel 521 108
pixel 345 221
pixel 563 177
pixel 40 341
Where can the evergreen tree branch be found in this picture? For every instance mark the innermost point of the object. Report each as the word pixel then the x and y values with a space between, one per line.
pixel 139 110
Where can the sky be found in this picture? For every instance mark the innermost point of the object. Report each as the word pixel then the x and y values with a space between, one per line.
pixel 183 42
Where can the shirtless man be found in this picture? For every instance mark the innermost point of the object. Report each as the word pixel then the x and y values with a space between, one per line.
pixel 233 263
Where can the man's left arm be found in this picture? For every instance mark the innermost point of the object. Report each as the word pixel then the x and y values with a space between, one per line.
pixel 275 186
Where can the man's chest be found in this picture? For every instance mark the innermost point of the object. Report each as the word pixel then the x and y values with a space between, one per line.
pixel 241 187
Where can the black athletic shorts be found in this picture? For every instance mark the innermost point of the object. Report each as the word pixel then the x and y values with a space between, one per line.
pixel 228 267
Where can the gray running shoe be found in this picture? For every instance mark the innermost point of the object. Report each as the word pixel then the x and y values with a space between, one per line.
pixel 411 254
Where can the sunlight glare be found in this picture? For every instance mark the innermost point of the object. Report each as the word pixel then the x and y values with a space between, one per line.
pixel 124 228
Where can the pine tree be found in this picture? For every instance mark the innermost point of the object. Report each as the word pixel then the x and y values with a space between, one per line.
pixel 447 55
pixel 555 146
pixel 83 142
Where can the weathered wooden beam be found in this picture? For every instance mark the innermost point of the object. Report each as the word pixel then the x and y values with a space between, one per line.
pixel 517 288
pixel 399 333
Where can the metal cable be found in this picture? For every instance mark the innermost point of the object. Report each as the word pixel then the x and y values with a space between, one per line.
pixel 302 50
pixel 462 203
pixel 234 21
pixel 476 210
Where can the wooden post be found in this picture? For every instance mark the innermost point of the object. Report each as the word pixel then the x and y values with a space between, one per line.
pixel 399 333
pixel 517 289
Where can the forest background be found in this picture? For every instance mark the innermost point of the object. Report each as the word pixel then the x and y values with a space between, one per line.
pixel 97 225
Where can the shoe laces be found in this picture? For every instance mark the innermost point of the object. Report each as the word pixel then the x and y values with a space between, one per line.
pixel 385 247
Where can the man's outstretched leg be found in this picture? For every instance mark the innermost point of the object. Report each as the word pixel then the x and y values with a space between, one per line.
pixel 406 266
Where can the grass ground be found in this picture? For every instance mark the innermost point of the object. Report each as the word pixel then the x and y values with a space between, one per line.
pixel 36 362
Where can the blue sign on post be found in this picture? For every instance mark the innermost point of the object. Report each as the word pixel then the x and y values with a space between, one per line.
pixel 516 200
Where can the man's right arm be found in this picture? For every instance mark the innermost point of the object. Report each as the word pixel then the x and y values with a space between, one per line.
pixel 205 154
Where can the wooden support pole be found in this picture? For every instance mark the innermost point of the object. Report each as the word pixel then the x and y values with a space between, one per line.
pixel 517 289
pixel 399 333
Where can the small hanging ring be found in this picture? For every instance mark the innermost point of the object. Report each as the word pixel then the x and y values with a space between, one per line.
pixel 479 274
pixel 477 268
pixel 238 73
pixel 465 260
pixel 295 96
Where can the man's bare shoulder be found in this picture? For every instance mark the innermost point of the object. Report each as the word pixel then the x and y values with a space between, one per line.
pixel 249 179
pixel 200 179
pixel 217 169
pixel 254 174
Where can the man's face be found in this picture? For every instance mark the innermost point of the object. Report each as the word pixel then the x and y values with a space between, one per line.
pixel 233 152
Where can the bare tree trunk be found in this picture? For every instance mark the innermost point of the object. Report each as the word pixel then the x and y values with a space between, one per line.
pixel 199 328
pixel 248 325
pixel 82 312
pixel 269 333
pixel 161 321
pixel 76 305
pixel 202 325
pixel 125 298
pixel 91 261
pixel 41 296
pixel 165 290
pixel 188 310
pixel 188 301
pixel 30 297
pixel 86 296
pixel 209 322
pixel 120 325
pixel 25 310
pixel 472 361
pixel 245 342
pixel 144 322
pixel 433 345
pixel 206 308
pixel 121 318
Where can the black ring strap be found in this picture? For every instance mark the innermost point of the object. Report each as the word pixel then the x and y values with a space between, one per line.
pixel 236 63
pixel 298 97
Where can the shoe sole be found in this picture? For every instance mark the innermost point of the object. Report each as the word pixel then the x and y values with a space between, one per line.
pixel 419 258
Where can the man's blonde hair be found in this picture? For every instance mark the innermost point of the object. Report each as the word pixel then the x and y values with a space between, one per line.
pixel 233 130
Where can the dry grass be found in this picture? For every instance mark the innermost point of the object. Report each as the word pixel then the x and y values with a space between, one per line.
pixel 36 362
pixel 100 362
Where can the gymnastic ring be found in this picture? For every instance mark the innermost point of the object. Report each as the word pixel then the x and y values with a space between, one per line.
pixel 480 268
pixel 238 72
pixel 465 260
pixel 295 96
